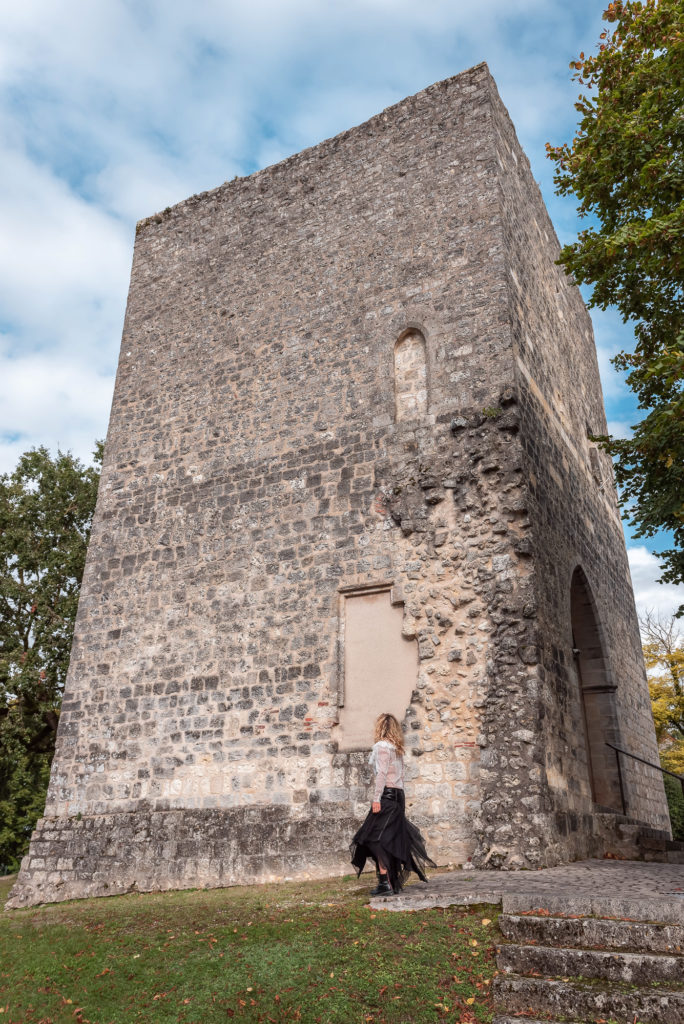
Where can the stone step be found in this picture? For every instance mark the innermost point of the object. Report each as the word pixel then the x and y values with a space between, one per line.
pixel 659 849
pixel 627 968
pixel 577 1001
pixel 657 856
pixel 658 843
pixel 588 932
pixel 667 909
pixel 531 1020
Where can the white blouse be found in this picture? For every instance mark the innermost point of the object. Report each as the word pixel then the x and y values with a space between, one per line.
pixel 388 766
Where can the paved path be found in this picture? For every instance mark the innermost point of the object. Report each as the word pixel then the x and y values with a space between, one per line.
pixel 634 889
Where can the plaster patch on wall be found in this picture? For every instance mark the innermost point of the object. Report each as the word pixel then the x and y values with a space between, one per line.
pixel 378 664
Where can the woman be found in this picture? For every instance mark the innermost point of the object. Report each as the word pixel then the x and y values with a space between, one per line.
pixel 387 836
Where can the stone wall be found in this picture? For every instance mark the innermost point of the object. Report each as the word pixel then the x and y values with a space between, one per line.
pixel 575 528
pixel 265 457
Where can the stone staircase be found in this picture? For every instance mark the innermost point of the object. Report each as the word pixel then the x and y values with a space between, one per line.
pixel 634 841
pixel 588 960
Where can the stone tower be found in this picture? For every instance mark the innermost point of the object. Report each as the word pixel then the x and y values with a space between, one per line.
pixel 347 470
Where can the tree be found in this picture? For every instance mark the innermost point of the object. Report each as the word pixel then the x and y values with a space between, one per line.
pixel 663 645
pixel 46 509
pixel 626 167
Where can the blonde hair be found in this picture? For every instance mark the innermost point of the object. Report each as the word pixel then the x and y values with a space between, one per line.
pixel 387 728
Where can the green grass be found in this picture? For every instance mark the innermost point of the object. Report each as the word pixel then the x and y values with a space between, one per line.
pixel 308 951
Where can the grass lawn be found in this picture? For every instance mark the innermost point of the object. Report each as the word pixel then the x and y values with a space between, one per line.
pixel 305 951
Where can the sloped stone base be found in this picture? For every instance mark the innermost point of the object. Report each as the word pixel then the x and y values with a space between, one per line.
pixel 571 836
pixel 104 855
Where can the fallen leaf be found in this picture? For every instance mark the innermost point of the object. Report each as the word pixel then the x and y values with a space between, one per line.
pixel 470 1000
pixel 486 920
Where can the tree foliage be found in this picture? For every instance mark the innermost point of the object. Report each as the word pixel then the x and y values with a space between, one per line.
pixel 46 509
pixel 626 168
pixel 663 645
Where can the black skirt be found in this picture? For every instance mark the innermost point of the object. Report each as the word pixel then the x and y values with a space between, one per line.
pixel 389 837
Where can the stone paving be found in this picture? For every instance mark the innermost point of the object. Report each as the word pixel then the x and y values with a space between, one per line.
pixel 634 889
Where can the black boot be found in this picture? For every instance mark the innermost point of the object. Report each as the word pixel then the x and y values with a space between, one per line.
pixel 383 888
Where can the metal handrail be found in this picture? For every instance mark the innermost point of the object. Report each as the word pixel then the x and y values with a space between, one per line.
pixel 635 757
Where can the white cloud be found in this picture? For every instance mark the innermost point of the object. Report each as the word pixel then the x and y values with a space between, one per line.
pixel 64 263
pixel 44 400
pixel 663 598
pixel 110 112
pixel 620 428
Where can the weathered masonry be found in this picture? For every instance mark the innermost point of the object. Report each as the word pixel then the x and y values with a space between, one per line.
pixel 347 470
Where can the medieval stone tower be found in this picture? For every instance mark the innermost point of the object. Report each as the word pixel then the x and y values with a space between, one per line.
pixel 347 470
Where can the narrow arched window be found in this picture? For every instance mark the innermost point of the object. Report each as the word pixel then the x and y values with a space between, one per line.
pixel 595 463
pixel 594 460
pixel 410 376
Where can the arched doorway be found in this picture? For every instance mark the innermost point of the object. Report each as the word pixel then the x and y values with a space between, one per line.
pixel 597 694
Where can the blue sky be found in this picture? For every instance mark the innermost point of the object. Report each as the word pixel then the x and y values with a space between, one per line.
pixel 110 111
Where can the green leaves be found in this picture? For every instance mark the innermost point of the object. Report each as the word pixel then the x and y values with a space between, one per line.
pixel 46 508
pixel 626 168
pixel 663 646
